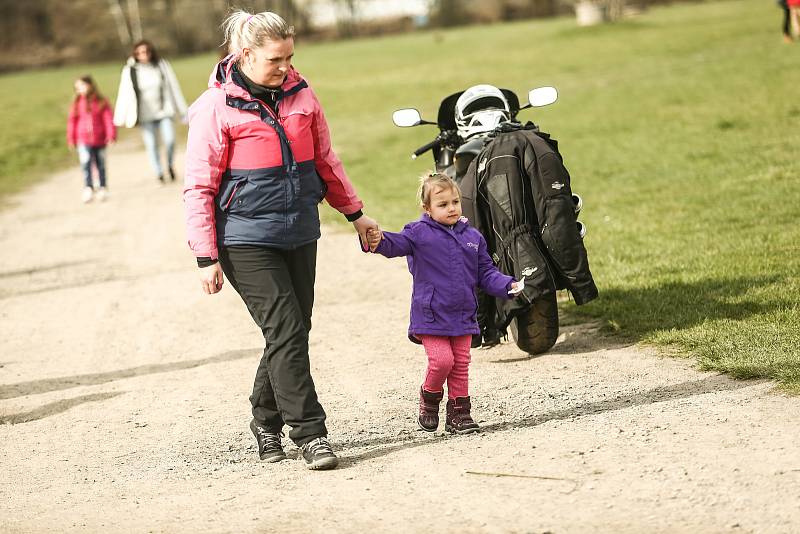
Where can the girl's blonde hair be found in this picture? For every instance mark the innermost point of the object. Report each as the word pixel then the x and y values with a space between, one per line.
pixel 250 30
pixel 428 182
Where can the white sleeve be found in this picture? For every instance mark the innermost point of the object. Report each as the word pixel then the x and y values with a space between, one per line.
pixel 174 90
pixel 125 110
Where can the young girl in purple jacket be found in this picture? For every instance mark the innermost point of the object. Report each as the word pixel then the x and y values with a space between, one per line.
pixel 447 259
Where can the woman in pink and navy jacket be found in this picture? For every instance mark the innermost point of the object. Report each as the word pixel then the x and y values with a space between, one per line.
pixel 258 163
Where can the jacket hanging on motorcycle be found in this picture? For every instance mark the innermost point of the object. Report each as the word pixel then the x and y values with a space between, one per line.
pixel 517 193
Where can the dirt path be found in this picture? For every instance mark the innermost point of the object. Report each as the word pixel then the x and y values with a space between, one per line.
pixel 123 393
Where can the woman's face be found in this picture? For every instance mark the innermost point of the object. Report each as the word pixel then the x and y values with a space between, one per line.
pixel 81 87
pixel 142 54
pixel 269 64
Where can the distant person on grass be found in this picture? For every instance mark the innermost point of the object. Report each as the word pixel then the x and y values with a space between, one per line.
pixel 258 163
pixel 787 32
pixel 448 261
pixel 150 97
pixel 90 129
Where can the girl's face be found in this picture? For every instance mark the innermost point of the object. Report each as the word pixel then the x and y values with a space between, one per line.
pixel 82 88
pixel 142 54
pixel 444 206
pixel 269 64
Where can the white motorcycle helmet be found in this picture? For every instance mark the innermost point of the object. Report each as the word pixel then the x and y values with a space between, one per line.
pixel 480 109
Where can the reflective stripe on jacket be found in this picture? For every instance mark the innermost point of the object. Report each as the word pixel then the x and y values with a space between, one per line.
pixel 254 176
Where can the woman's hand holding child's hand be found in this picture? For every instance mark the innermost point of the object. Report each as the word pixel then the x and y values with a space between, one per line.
pixel 374 237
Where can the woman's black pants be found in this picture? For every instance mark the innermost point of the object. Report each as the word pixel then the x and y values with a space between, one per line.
pixel 278 288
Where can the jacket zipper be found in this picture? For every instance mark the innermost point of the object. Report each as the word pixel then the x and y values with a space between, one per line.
pixel 233 194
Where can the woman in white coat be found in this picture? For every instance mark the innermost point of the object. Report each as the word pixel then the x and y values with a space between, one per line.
pixel 150 97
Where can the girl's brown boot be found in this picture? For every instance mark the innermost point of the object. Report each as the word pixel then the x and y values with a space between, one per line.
pixel 459 420
pixel 428 419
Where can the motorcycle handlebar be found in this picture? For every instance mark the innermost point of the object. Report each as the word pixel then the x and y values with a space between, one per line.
pixel 424 148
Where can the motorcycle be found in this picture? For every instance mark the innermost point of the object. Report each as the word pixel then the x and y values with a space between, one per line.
pixel 535 330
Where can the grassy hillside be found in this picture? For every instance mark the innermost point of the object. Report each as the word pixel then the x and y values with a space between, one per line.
pixel 679 128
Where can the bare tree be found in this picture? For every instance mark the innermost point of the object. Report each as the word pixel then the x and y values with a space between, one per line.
pixel 448 12
pixel 347 17
pixel 121 23
pixel 614 9
pixel 134 19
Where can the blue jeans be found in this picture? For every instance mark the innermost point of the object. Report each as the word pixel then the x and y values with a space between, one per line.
pixel 150 131
pixel 92 154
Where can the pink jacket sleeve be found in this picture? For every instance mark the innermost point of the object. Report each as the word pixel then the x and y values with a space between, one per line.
pixel 72 121
pixel 108 123
pixel 341 194
pixel 206 158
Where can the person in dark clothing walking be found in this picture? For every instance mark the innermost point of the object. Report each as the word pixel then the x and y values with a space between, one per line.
pixel 258 163
pixel 787 32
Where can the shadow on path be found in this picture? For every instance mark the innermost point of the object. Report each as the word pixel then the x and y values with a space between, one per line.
pixel 34 387
pixel 72 284
pixel 712 384
pixel 43 268
pixel 579 338
pixel 54 408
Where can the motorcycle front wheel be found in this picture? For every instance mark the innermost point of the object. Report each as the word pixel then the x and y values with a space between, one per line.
pixel 536 330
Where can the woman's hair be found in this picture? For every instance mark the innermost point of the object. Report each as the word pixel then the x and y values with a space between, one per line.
pixel 428 183
pixel 93 95
pixel 251 30
pixel 152 49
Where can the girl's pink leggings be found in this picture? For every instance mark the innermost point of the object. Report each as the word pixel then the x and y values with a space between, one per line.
pixel 448 359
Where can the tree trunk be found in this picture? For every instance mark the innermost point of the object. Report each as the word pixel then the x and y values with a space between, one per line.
pixel 135 19
pixel 122 25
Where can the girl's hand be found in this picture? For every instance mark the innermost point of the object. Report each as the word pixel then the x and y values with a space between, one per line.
pixel 374 238
pixel 517 287
pixel 211 279
pixel 362 224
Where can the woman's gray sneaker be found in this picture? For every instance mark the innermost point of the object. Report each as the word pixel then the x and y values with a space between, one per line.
pixel 318 454
pixel 269 443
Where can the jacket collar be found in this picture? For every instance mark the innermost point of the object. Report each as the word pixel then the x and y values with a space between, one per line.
pixel 459 227
pixel 222 77
pixel 131 62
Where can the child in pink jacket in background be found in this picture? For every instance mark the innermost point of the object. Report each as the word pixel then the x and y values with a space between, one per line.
pixel 90 128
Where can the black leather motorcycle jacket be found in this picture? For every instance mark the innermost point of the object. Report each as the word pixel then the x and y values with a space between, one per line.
pixel 517 193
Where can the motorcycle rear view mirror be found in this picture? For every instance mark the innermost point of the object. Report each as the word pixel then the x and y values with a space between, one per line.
pixel 542 96
pixel 407 117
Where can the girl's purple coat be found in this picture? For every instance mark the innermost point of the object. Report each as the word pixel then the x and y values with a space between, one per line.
pixel 447 264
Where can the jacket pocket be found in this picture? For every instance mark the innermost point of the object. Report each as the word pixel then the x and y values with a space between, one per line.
pixel 299 127
pixel 427 303
pixel 323 189
pixel 262 195
pixel 313 188
pixel 233 195
pixel 471 308
pixel 227 192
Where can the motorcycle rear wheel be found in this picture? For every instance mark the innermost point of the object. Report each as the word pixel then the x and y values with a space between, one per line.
pixel 536 330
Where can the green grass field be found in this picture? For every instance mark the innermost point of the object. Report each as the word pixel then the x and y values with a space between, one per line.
pixel 679 128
